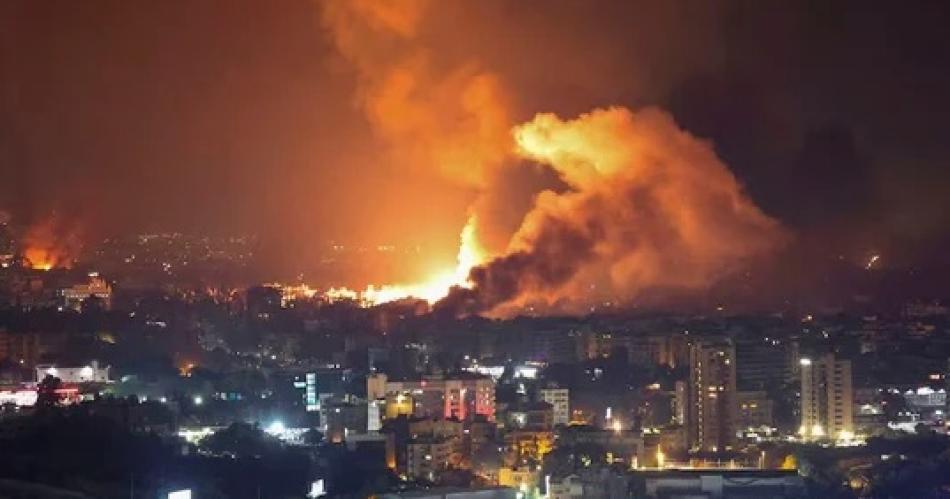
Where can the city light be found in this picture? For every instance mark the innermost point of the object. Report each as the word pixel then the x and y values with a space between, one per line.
pixel 317 489
pixel 416 248
pixel 276 428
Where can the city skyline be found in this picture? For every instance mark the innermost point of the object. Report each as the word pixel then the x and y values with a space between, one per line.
pixel 474 249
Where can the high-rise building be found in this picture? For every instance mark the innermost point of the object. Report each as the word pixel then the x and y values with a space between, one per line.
pixel 311 398
pixel 680 402
pixel 654 350
pixel 559 398
pixel 712 412
pixel 761 363
pixel 7 244
pixel 827 398
pixel 755 409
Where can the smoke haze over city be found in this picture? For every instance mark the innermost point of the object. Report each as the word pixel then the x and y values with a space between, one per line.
pixel 393 124
pixel 478 249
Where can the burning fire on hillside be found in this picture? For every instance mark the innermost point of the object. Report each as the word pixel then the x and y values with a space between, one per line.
pixel 50 244
pixel 644 205
pixel 431 290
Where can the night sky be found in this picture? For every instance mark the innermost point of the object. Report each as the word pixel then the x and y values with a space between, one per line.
pixel 239 116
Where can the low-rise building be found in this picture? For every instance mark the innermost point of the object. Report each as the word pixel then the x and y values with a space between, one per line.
pixel 96 288
pixel 89 373
pixel 525 479
pixel 531 415
pixel 529 445
pixel 461 397
pixel 720 484
pixel 427 457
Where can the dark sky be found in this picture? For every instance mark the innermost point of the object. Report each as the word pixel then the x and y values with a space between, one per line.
pixel 238 115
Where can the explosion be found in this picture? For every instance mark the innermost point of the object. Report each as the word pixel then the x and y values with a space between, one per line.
pixel 431 290
pixel 645 204
pixel 49 244
pixel 648 206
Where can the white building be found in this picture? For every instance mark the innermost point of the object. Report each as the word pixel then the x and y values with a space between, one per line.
pixel 827 398
pixel 375 410
pixel 559 398
pixel 926 398
pixel 680 402
pixel 90 373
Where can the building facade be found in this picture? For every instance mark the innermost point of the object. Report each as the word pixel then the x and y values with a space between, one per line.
pixel 559 398
pixel 459 398
pixel 712 409
pixel 826 398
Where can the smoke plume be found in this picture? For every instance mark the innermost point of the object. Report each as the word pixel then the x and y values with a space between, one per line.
pixel 641 204
pixel 451 119
pixel 647 206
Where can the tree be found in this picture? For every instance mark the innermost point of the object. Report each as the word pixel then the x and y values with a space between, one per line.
pixel 242 440
pixel 313 437
pixel 47 394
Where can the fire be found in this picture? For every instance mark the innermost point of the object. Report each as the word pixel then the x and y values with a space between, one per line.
pixel 644 204
pixel 49 245
pixel 39 259
pixel 432 289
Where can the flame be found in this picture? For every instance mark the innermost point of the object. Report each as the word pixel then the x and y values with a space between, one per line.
pixel 48 245
pixel 644 204
pixel 647 206
pixel 431 289
pixel 39 259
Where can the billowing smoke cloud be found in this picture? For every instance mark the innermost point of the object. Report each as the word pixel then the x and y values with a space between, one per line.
pixel 641 204
pixel 451 119
pixel 647 206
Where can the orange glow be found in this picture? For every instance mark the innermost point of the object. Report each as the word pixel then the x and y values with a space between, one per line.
pixel 49 245
pixel 39 259
pixel 645 206
pixel 185 369
pixel 431 289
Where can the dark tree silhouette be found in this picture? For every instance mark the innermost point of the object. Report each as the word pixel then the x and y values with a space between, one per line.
pixel 46 392
pixel 242 440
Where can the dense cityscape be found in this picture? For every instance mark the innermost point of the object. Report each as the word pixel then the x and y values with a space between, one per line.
pixel 474 249
pixel 286 390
